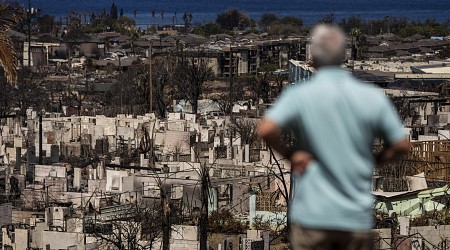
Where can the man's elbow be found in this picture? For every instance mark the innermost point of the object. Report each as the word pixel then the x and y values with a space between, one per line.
pixel 266 129
pixel 394 151
pixel 401 147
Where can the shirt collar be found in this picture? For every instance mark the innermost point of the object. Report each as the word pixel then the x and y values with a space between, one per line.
pixel 331 70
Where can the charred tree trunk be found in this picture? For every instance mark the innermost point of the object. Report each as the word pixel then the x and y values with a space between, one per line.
pixel 165 209
pixel 204 211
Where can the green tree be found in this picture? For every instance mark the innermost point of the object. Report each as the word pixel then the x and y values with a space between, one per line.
pixel 102 25
pixel 290 20
pixel 113 12
pixel 208 29
pixel 285 26
pixel 234 19
pixel 347 24
pixel 125 25
pixel 187 18
pixel 267 19
pixel 358 40
pixel 76 35
pixel 428 28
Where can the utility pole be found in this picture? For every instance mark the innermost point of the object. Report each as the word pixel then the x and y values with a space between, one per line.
pixel 353 53
pixel 150 59
pixel 40 138
pixel 204 209
pixel 231 80
pixel 29 33
pixel 166 218
pixel 46 194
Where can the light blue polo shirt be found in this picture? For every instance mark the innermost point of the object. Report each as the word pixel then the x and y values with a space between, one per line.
pixel 336 118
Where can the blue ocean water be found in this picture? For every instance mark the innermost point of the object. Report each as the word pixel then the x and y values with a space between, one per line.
pixel 203 11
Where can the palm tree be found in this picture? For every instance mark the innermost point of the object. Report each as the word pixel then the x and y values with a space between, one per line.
pixel 187 18
pixel 357 42
pixel 9 17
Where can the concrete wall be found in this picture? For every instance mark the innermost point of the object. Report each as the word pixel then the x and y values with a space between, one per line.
pixel 75 225
pixel 61 240
pixel 184 237
pixel 7 239
pixel 430 235
pixel 42 171
pixel 21 238
pixel 36 235
pixel 114 180
pixel 177 142
pixel 383 241
pixel 5 214
pixel 19 216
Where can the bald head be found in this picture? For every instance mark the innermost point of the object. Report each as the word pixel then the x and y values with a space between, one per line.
pixel 327 45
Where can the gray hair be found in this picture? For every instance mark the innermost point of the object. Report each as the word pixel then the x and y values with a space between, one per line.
pixel 327 45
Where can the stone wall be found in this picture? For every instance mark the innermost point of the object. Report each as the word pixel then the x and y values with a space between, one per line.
pixel 429 236
pixel 432 235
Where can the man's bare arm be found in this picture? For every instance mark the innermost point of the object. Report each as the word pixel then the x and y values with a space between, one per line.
pixel 393 151
pixel 270 133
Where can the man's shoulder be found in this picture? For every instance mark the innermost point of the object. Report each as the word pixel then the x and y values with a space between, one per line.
pixel 368 88
pixel 296 88
pixel 304 85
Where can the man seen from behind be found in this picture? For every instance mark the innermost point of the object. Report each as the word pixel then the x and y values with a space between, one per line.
pixel 335 119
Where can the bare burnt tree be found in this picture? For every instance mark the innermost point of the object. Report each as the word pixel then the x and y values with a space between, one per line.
pixel 80 94
pixel 137 227
pixel 283 189
pixel 260 87
pixel 203 223
pixel 241 91
pixel 6 98
pixel 393 173
pixel 162 77
pixel 191 76
pixel 201 214
pixel 284 186
pixel 246 128
pixel 130 92
pixel 55 90
pixel 403 107
pixel 29 93
pixel 261 82
pixel 279 79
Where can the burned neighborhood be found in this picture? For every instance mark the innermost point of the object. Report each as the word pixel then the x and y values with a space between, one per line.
pixel 119 135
